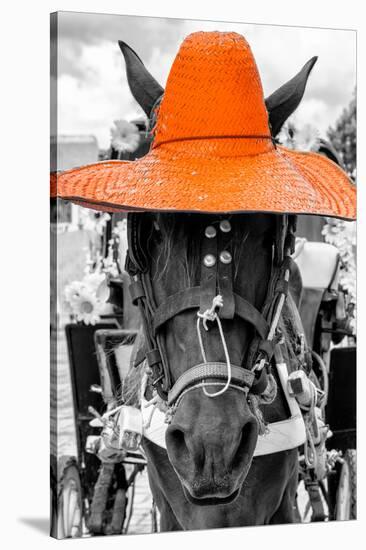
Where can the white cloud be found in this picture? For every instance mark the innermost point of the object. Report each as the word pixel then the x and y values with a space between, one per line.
pixel 92 104
pixel 317 112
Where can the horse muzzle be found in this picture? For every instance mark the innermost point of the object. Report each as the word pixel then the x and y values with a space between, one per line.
pixel 220 497
pixel 210 444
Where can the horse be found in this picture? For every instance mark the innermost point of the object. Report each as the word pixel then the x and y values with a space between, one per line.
pixel 208 475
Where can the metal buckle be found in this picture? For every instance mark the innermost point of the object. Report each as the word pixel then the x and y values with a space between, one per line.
pixel 157 380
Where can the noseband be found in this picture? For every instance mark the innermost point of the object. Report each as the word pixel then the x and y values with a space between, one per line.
pixel 216 275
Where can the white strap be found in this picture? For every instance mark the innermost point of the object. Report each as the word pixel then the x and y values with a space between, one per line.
pixel 282 436
pixel 211 315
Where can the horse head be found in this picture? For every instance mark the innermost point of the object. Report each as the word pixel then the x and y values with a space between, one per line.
pixel 210 439
pixel 213 432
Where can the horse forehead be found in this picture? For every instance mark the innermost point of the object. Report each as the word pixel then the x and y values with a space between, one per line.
pixel 194 226
pixel 178 255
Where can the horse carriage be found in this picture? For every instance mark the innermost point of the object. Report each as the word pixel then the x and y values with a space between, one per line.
pixel 245 404
pixel 94 491
pixel 331 492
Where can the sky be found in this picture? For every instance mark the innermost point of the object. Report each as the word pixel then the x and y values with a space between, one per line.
pixel 92 83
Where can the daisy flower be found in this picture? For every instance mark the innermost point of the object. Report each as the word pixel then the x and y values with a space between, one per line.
pixel 87 307
pixel 125 136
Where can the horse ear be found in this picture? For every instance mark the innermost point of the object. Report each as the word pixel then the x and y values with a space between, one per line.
pixel 283 102
pixel 145 89
pixel 327 149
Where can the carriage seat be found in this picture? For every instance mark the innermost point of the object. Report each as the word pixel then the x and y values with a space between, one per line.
pixel 318 263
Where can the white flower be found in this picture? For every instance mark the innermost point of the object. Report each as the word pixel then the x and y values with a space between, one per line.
pixel 91 220
pixel 87 308
pixel 86 298
pixel 84 304
pixel 306 139
pixel 93 280
pixel 72 292
pixel 125 136
pixel 109 264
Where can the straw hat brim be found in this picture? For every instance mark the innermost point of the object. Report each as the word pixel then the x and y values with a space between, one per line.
pixel 278 181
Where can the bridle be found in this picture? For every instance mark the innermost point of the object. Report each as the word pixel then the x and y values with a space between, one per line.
pixel 216 274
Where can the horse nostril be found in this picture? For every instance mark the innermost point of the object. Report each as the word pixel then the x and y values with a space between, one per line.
pixel 176 435
pixel 176 443
pixel 175 438
pixel 246 431
pixel 249 434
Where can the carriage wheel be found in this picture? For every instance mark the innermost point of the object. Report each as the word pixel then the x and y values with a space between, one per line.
pixel 154 517
pixel 53 498
pixel 346 493
pixel 69 501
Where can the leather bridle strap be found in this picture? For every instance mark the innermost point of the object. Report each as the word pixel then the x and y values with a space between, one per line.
pixel 139 290
pixel 190 299
pixel 225 275
pixel 154 317
pixel 205 371
pixel 208 279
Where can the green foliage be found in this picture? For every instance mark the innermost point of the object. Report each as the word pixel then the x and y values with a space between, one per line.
pixel 343 137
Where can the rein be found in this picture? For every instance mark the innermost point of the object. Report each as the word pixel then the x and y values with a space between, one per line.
pixel 216 273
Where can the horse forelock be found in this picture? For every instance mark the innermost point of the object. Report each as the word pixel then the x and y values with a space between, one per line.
pixel 176 242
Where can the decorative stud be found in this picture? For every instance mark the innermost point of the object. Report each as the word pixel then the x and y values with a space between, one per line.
pixel 210 232
pixel 225 226
pixel 225 257
pixel 209 260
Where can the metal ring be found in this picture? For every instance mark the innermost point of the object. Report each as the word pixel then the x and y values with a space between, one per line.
pixel 225 226
pixel 209 260
pixel 225 257
pixel 210 232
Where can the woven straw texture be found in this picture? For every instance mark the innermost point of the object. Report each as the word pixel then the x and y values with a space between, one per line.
pixel 204 157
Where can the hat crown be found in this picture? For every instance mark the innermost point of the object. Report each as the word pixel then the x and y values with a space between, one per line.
pixel 213 89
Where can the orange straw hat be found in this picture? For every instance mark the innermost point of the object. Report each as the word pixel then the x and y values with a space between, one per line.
pixel 213 150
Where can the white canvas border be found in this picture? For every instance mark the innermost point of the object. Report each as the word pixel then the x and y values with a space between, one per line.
pixel 24 221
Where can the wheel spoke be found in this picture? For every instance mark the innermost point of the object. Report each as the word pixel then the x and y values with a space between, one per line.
pixel 344 494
